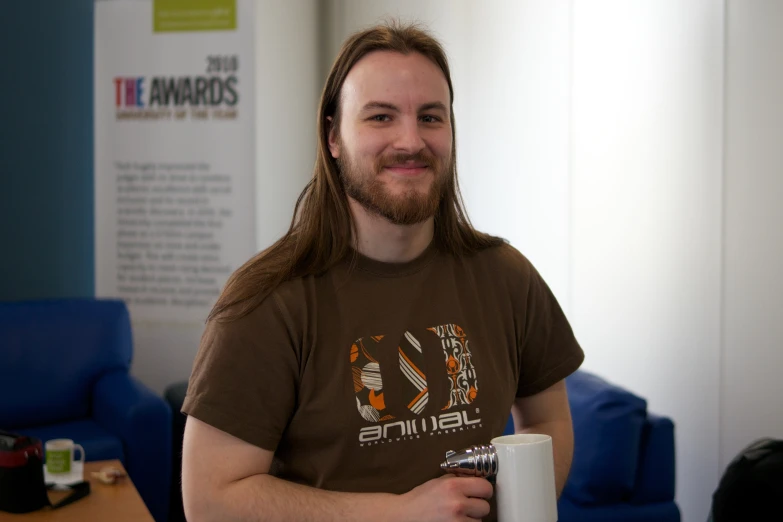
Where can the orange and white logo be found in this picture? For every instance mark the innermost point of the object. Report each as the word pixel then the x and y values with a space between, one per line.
pixel 368 384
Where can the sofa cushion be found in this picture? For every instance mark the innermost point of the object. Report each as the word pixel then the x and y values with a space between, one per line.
pixel 98 443
pixel 52 353
pixel 608 422
pixel 567 511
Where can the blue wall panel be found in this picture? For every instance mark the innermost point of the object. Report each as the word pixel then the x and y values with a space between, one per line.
pixel 46 149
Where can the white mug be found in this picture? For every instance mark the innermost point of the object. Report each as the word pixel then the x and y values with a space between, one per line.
pixel 60 456
pixel 525 483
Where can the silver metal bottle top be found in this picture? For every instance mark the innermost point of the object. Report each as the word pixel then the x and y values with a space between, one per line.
pixel 475 461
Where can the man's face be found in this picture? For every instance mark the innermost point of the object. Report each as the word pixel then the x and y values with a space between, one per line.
pixel 394 143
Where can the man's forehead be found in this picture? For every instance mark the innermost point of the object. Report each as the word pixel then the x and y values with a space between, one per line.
pixel 388 74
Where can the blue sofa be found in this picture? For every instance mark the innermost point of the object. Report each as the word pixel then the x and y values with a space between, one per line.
pixel 64 373
pixel 623 467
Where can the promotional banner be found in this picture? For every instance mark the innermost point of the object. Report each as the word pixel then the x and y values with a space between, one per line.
pixel 174 153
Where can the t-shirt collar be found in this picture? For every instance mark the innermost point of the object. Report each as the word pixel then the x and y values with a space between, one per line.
pixel 365 264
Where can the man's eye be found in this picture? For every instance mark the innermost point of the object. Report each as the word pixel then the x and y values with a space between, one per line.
pixel 379 117
pixel 430 119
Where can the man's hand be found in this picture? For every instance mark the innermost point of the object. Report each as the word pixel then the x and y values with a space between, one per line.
pixel 447 499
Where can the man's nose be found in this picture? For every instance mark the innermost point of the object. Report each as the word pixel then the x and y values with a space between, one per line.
pixel 408 138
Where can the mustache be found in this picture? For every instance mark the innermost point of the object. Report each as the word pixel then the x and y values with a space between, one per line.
pixel 420 157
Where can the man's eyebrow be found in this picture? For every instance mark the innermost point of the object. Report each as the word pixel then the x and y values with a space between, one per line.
pixel 375 105
pixel 433 105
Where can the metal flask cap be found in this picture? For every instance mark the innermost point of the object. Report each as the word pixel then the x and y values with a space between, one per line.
pixel 475 461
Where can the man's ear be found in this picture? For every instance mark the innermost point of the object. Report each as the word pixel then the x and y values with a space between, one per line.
pixel 334 143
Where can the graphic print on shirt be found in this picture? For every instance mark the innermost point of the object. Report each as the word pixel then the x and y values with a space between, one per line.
pixel 462 374
pixel 368 385
pixel 367 381
pixel 415 382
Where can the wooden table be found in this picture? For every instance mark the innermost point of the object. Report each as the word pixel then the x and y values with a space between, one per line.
pixel 118 502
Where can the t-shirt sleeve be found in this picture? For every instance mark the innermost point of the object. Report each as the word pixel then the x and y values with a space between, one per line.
pixel 246 374
pixel 548 350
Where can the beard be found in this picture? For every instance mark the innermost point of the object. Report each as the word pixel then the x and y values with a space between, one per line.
pixel 410 207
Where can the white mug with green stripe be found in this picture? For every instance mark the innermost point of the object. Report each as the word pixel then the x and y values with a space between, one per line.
pixel 60 455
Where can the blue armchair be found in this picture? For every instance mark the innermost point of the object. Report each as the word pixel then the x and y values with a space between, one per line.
pixel 64 373
pixel 623 466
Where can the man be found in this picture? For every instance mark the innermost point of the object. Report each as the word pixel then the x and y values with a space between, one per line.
pixel 340 365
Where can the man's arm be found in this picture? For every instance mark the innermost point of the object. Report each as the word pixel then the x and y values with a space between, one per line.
pixel 227 479
pixel 548 412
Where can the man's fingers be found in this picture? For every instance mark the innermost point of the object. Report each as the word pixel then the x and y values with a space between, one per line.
pixel 475 487
pixel 476 508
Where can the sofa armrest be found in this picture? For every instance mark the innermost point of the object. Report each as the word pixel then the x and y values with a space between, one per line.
pixel 656 471
pixel 142 420
pixel 608 422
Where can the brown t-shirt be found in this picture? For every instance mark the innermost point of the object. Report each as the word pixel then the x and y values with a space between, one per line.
pixel 361 379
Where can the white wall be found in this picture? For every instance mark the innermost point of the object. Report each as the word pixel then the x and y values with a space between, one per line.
pixel 288 84
pixel 646 214
pixel 513 134
pixel 752 387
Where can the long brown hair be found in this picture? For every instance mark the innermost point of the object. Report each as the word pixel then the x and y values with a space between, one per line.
pixel 321 231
